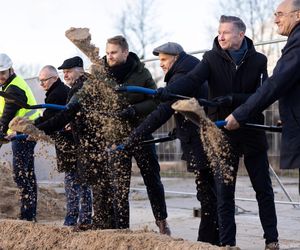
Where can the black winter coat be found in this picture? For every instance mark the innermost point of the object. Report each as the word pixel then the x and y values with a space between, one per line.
pixel 60 120
pixel 186 131
pixel 284 85
pixel 64 141
pixel 226 78
pixel 56 94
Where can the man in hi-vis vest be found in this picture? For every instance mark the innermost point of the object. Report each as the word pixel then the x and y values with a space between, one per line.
pixel 23 150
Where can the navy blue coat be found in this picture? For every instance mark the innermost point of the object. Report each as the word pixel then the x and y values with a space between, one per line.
pixel 224 77
pixel 284 85
pixel 186 131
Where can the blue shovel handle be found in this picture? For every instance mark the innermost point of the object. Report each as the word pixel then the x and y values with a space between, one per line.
pixel 50 106
pixel 147 91
pixel 221 123
pixel 137 89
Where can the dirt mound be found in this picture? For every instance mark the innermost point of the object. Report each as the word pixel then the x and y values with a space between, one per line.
pixel 51 205
pixel 26 235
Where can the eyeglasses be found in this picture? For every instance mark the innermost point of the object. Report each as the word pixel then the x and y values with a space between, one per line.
pixel 45 80
pixel 281 14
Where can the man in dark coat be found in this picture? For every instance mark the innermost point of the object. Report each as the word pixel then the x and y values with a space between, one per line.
pixel 126 68
pixel 57 93
pixel 283 85
pixel 234 70
pixel 176 63
pixel 79 197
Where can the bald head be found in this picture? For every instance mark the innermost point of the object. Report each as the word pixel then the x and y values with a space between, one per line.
pixel 47 76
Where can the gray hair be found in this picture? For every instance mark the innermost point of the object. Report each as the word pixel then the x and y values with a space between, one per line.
pixel 51 69
pixel 236 21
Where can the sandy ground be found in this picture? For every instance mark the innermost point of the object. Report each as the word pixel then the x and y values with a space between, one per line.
pixel 49 233
pixel 249 231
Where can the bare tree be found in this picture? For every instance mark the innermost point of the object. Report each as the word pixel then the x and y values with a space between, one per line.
pixel 137 24
pixel 258 16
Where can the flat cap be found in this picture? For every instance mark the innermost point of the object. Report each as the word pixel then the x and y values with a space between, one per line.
pixel 72 63
pixel 168 48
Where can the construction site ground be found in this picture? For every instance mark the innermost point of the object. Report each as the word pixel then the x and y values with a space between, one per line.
pixel 183 206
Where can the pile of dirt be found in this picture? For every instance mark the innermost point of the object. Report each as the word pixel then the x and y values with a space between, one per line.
pixel 26 235
pixel 213 140
pixel 51 205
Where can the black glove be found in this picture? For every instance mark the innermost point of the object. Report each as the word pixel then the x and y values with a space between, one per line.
pixel 172 133
pixel 128 113
pixel 163 95
pixel 73 104
pixel 223 101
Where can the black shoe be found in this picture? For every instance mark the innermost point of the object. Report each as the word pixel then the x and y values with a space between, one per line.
pixel 28 219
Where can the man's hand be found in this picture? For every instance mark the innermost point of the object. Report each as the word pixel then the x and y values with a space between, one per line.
pixel 232 123
pixel 8 137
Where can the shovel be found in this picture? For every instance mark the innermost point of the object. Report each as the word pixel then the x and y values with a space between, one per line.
pixel 27 106
pixel 194 112
pixel 142 90
pixel 147 142
pixel 270 128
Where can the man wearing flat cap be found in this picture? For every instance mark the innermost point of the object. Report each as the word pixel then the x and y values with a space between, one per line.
pixel 169 48
pixel 175 63
pixel 79 198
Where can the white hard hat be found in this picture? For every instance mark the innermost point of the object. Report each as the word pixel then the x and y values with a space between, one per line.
pixel 5 62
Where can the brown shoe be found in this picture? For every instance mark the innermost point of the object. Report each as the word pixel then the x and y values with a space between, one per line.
pixel 163 227
pixel 272 246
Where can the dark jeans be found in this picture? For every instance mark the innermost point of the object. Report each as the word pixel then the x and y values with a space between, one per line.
pixel 258 169
pixel 206 194
pixel 24 176
pixel 79 201
pixel 146 159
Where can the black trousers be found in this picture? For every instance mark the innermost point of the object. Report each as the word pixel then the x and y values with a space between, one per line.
pixel 146 159
pixel 206 194
pixel 257 166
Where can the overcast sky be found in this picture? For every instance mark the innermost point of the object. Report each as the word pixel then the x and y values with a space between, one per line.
pixel 33 31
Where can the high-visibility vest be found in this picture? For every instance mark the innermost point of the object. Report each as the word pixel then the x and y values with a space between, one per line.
pixel 31 114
